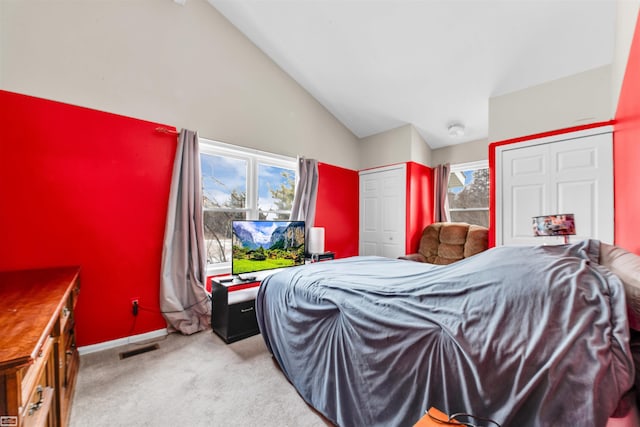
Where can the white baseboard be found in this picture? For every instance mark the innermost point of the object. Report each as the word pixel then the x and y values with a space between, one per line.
pixel 121 341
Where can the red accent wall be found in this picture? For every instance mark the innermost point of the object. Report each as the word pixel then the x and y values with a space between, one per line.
pixel 89 188
pixel 419 203
pixel 84 187
pixel 337 209
pixel 626 153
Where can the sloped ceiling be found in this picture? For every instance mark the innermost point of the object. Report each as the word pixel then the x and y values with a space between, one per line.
pixel 377 65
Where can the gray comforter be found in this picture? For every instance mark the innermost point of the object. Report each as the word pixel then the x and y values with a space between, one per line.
pixel 528 336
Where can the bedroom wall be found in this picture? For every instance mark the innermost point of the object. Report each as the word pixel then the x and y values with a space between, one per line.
pixel 420 150
pixel 159 61
pixel 626 13
pixel 419 203
pixel 337 211
pixel 563 103
pixel 399 145
pixel 84 187
pixel 472 151
pixel 626 151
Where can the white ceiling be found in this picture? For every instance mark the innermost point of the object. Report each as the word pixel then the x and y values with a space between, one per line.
pixel 377 65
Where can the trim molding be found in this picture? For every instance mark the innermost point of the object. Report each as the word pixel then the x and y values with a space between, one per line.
pixel 121 341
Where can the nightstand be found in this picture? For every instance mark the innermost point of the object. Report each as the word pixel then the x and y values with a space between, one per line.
pixel 233 312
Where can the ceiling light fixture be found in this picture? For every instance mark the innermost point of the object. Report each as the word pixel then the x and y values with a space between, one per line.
pixel 456 130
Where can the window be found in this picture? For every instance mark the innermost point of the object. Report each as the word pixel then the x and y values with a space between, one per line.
pixel 468 193
pixel 240 183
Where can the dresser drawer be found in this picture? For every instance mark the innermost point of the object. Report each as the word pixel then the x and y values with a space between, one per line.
pixel 65 317
pixel 37 408
pixel 242 320
pixel 34 374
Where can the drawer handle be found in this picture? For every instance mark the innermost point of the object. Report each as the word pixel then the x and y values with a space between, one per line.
pixel 35 406
pixel 246 310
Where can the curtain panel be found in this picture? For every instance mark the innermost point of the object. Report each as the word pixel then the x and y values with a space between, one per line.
pixel 306 193
pixel 184 301
pixel 441 189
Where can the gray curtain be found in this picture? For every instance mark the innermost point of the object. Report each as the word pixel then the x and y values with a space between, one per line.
pixel 441 189
pixel 184 301
pixel 304 199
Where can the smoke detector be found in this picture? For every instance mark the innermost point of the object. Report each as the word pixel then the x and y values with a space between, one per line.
pixel 455 130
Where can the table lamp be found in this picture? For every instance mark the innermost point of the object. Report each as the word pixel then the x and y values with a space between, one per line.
pixel 554 225
pixel 316 240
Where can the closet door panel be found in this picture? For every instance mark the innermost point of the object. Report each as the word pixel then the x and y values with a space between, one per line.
pixel 583 176
pixel 383 211
pixel 580 199
pixel 526 173
pixel 369 216
pixel 525 200
pixel 569 174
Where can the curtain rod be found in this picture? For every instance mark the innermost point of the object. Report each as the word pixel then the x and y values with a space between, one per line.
pixel 167 131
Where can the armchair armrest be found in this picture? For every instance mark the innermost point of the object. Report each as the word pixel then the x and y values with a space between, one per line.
pixel 414 257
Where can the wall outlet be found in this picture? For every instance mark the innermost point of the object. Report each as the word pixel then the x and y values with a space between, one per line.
pixel 135 306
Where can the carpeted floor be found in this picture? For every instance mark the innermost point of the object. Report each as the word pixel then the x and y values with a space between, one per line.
pixel 195 380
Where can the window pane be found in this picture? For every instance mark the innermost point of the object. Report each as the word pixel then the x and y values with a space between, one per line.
pixel 275 191
pixel 241 184
pixel 217 234
pixel 475 191
pixel 471 217
pixel 224 181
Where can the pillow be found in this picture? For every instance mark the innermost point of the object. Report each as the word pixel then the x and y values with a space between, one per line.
pixel 626 266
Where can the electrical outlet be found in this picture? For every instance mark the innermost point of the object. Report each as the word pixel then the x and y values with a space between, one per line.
pixel 135 306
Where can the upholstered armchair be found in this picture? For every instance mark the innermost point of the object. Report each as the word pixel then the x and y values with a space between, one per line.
pixel 447 242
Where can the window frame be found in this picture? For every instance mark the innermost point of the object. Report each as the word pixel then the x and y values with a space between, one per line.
pixel 254 158
pixel 467 166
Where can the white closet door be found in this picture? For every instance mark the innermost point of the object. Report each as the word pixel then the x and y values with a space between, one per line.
pixel 583 177
pixel 555 177
pixel 383 211
pixel 526 183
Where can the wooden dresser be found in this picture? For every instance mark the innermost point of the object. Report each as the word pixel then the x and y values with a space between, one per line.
pixel 38 356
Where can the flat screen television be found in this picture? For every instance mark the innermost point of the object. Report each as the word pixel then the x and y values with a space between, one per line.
pixel 259 245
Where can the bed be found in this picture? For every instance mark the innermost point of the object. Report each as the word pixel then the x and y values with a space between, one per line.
pixel 526 336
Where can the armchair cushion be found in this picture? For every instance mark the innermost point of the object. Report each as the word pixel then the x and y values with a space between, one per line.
pixel 447 242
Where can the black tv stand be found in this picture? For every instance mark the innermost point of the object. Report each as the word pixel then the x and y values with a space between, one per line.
pixel 236 280
pixel 233 318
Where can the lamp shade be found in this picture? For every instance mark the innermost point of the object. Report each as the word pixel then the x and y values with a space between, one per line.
pixel 316 240
pixel 554 225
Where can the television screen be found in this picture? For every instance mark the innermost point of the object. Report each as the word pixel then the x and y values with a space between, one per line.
pixel 264 245
pixel 554 225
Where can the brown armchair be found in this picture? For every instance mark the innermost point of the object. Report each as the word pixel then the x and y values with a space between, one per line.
pixel 447 242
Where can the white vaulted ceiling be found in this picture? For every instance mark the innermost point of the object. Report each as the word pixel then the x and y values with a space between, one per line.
pixel 377 65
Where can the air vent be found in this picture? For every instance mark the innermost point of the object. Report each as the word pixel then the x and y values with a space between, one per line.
pixel 145 349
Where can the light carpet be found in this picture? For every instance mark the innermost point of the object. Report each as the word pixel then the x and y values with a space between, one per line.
pixel 195 380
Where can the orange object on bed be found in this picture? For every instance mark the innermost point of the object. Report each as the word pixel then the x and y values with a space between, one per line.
pixel 433 414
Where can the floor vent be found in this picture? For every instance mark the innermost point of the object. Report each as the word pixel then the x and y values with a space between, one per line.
pixel 145 349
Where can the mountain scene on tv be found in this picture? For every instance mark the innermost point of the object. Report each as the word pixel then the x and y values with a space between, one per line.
pixel 265 245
